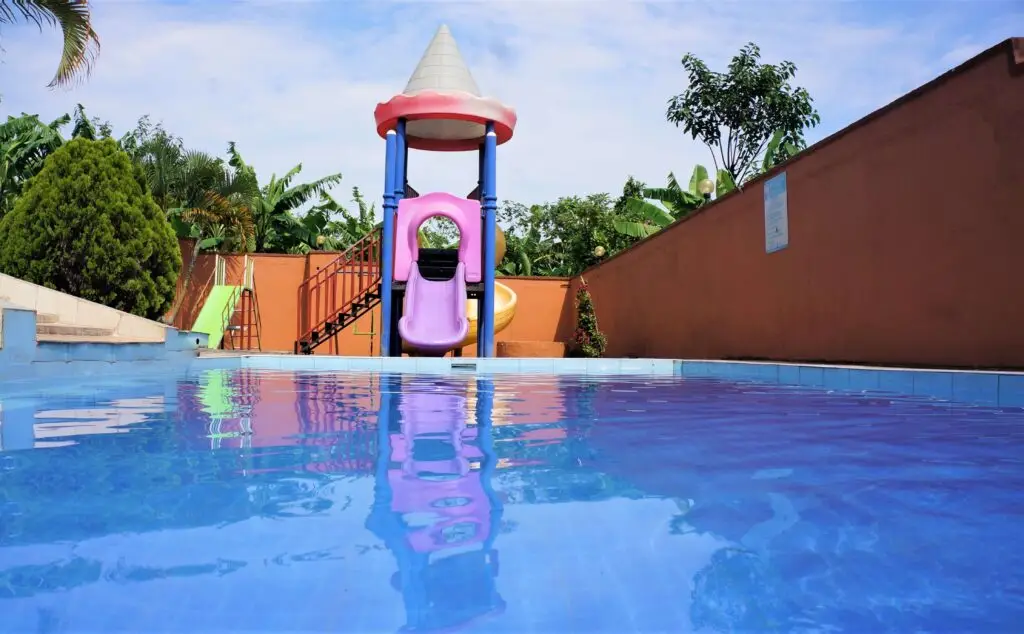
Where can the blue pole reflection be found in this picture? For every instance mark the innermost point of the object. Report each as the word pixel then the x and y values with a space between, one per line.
pixel 434 506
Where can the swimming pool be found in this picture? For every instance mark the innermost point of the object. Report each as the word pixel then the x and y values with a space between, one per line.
pixel 242 500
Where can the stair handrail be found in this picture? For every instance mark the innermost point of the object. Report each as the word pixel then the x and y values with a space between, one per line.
pixel 228 313
pixel 247 311
pixel 321 287
pixel 255 311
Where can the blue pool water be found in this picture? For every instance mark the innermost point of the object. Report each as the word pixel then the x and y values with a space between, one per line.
pixel 275 501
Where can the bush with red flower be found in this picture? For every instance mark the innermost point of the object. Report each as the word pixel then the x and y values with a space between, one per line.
pixel 588 340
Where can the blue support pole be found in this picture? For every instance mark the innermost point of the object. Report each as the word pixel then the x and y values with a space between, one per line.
pixel 401 163
pixel 480 176
pixel 485 438
pixel 489 204
pixel 387 273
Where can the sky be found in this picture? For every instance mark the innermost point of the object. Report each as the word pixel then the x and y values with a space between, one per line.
pixel 296 81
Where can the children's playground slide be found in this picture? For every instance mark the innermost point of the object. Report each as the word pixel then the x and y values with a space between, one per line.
pixel 435 311
pixel 441 109
pixel 505 302
pixel 437 315
pixel 220 302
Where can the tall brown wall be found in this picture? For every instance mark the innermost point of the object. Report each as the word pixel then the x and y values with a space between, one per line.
pixel 541 314
pixel 906 245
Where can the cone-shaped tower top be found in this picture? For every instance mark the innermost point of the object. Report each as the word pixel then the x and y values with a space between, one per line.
pixel 441 68
pixel 442 105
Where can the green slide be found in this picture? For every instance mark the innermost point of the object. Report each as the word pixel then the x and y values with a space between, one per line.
pixel 213 318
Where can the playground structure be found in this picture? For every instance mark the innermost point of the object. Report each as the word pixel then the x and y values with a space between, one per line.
pixel 230 315
pixel 434 506
pixel 433 301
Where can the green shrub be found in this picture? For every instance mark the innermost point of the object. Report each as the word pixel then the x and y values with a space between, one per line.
pixel 87 225
pixel 588 341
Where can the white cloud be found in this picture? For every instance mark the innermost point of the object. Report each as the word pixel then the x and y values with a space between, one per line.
pixel 589 79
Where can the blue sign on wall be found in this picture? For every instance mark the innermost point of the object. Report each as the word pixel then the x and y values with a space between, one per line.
pixel 776 214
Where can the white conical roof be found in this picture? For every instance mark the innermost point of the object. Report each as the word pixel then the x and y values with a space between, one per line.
pixel 441 68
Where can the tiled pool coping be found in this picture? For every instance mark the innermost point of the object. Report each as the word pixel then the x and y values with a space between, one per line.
pixel 80 361
pixel 665 367
pixel 992 389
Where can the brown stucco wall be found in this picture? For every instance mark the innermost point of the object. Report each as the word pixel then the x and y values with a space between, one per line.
pixel 906 234
pixel 541 315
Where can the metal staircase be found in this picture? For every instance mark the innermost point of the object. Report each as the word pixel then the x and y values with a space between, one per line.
pixel 339 293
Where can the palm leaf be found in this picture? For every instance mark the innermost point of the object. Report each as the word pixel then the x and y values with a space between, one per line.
pixel 72 17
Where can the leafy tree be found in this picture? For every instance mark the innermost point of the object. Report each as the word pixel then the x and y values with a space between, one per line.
pixel 86 225
pixel 202 199
pixel 73 18
pixel 25 142
pixel 329 226
pixel 739 112
pixel 273 206
pixel 560 238
pixel 86 128
pixel 780 149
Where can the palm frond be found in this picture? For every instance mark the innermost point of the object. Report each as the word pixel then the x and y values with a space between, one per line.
pixel 74 19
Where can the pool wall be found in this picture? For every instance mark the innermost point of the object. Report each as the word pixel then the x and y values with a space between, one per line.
pixel 666 367
pixel 21 356
pixel 991 389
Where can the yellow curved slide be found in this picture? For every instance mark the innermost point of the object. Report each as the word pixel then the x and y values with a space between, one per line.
pixel 505 301
pixel 504 310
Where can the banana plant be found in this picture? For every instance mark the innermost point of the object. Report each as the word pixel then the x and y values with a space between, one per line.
pixel 329 226
pixel 779 150
pixel 645 218
pixel 25 142
pixel 277 230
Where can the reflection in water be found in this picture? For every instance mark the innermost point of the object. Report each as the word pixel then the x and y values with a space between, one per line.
pixel 280 501
pixel 433 506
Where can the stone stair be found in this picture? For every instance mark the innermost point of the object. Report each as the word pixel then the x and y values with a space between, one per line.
pixel 49 328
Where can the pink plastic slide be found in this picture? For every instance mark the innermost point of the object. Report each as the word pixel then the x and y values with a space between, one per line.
pixel 434 319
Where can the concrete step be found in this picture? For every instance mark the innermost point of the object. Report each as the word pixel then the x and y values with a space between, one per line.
pixel 45 338
pixel 76 331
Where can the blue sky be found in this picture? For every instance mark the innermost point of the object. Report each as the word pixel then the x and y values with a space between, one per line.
pixel 296 80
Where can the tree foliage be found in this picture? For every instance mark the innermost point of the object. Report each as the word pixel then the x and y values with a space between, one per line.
pixel 739 112
pixel 561 238
pixel 274 205
pixel 658 207
pixel 73 18
pixel 750 117
pixel 86 225
pixel 25 142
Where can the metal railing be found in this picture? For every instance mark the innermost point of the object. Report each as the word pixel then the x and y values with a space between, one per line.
pixel 337 288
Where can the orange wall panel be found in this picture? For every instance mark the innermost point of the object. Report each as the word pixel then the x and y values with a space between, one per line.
pixel 540 315
pixel 904 245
